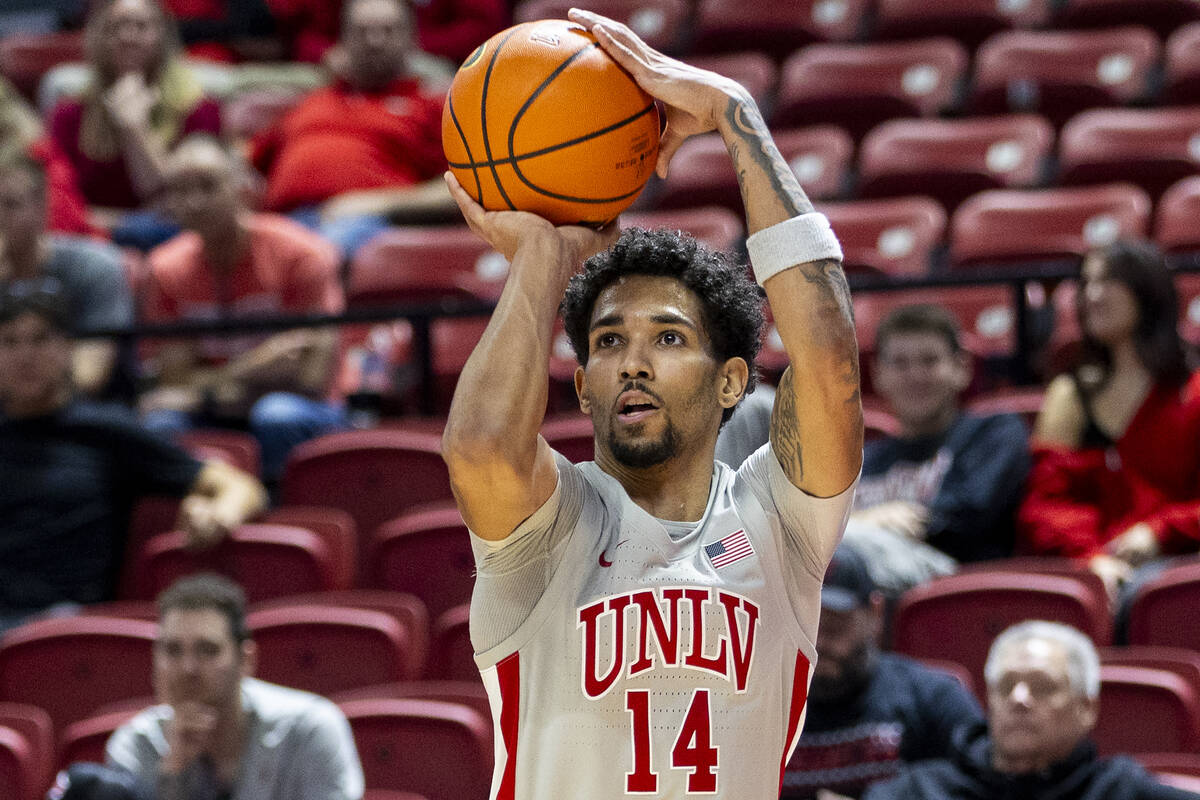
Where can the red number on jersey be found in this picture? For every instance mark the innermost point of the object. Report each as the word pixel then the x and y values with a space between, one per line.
pixel 693 748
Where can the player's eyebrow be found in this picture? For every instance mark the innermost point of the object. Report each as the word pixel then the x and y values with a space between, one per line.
pixel 658 319
pixel 607 322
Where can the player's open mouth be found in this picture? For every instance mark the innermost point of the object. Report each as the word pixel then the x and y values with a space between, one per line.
pixel 634 407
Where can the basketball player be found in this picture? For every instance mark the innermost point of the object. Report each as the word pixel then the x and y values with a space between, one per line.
pixel 645 623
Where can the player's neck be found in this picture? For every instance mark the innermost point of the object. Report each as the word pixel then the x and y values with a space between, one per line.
pixel 677 489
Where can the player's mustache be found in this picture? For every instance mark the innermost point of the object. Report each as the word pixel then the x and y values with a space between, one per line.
pixel 638 386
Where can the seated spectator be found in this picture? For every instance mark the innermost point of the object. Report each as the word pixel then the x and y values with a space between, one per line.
pixel 219 732
pixel 367 150
pixel 946 488
pixel 1116 476
pixel 140 101
pixel 89 272
pixel 227 30
pixel 230 263
pixel 1043 682
pixel 447 28
pixel 71 471
pixel 22 136
pixel 869 712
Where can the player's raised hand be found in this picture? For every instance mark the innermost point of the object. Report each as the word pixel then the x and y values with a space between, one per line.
pixel 695 98
pixel 506 230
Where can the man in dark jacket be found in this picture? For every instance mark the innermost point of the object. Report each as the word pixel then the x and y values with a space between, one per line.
pixel 1043 683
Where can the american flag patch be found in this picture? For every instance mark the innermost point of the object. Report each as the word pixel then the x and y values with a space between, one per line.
pixel 733 547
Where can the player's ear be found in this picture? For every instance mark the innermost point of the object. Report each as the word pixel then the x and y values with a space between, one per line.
pixel 585 405
pixel 732 379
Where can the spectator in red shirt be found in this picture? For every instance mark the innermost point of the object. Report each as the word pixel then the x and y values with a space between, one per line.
pixel 230 263
pixel 21 135
pixel 1116 474
pixel 367 149
pixel 140 102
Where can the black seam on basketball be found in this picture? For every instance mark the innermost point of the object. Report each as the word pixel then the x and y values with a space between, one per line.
pixel 512 128
pixel 545 150
pixel 467 147
pixel 487 145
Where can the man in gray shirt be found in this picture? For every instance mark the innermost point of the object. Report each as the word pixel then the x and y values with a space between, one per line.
pixel 220 734
pixel 88 272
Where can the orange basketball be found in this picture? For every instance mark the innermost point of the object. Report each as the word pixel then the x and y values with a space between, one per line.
pixel 539 118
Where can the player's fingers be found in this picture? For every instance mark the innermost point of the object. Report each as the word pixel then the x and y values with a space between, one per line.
pixel 472 212
pixel 667 146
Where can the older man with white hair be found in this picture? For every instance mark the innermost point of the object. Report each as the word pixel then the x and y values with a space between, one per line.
pixel 1043 684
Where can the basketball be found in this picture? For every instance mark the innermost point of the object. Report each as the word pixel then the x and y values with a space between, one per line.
pixel 539 118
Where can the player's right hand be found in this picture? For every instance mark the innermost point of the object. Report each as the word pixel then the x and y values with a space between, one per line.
pixel 506 231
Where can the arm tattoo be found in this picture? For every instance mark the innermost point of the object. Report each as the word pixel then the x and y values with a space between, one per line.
pixel 749 124
pixel 833 330
pixel 785 429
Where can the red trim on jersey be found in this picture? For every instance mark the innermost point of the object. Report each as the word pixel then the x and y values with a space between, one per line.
pixel 508 674
pixel 799 698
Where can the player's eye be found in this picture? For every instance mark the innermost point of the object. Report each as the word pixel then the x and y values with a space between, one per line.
pixel 671 338
pixel 607 340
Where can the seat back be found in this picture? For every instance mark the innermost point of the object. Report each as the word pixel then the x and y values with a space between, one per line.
pixel 1161 16
pixel 1060 73
pixel 413 264
pixel 86 739
pixel 951 160
pixel 1175 229
pixel 1152 148
pixel 968 21
pixel 1013 225
pixel 662 24
pixel 572 435
pixel 753 69
pixel 896 237
pixel 1146 710
pixel 66 665
pixel 29 764
pixel 773 28
pixel 326 649
pixel 266 560
pixel 956 618
pixel 427 553
pixel 373 475
pixel 985 315
pixel 453 740
pixel 1181 78
pixel 857 86
pixel 452 656
pixel 1163 609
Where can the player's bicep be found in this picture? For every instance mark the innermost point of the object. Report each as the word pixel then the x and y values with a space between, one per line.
pixel 816 435
pixel 495 496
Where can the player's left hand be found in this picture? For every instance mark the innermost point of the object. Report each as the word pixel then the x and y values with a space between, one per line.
pixel 696 99
pixel 507 230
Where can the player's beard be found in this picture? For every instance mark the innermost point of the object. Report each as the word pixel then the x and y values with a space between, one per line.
pixel 640 455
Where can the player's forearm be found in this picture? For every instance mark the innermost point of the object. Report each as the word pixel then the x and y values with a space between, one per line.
pixel 500 399
pixel 770 192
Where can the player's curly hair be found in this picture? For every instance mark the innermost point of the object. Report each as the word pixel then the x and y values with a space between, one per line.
pixel 731 303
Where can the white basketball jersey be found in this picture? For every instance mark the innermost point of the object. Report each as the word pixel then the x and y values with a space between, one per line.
pixel 661 659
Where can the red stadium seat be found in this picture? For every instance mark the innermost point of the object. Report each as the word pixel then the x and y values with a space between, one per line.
pixel 452 656
pixel 896 237
pixel 1175 228
pixel 1188 286
pixel 1181 73
pixel 26 751
pixel 25 58
pixel 388 794
pixel 1007 225
pixel 372 475
pixel 1163 16
pixel 1146 710
pixel 247 114
pixel 572 435
pixel 857 86
pixel 469 693
pixel 427 553
pixel 1060 73
pixel 701 173
pixel 1044 565
pixel 1171 763
pixel 969 21
pixel 85 740
pixel 953 159
pixel 413 265
pixel 753 69
pixel 715 226
pixel 66 665
pixel 954 670
pixel 984 313
pixel 1163 609
pixel 772 27
pixel 236 448
pixel 1152 148
pixel 441 750
pixel 266 560
pixel 660 23
pixel 334 526
pixel 326 649
pixel 956 618
pixel 407 609
pixel 1183 662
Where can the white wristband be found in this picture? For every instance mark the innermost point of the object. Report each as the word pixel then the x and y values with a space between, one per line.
pixel 794 241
